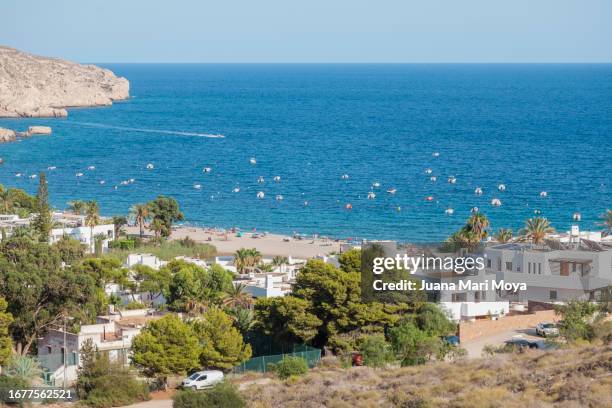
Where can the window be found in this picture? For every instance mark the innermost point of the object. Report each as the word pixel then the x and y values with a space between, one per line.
pixel 476 297
pixel 202 378
pixel 528 267
pixel 499 262
pixel 459 297
pixel 509 266
pixel 539 268
pixel 489 263
pixel 49 350
pixel 574 267
pixel 553 295
pixel 483 295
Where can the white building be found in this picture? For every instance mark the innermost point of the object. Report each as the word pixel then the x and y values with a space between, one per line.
pixel 144 259
pixel 264 285
pixel 556 271
pixel 85 235
pixel 112 334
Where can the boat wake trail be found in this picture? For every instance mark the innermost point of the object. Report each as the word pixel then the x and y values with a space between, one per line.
pixel 144 130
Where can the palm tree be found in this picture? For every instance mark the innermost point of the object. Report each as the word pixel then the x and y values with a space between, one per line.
pixel 536 229
pixel 77 207
pixel 607 219
pixel 92 218
pixel 140 212
pixel 6 197
pixel 241 259
pixel 119 222
pixel 156 226
pixel 280 261
pixel 254 257
pixel 237 296
pixel 244 320
pixel 503 235
pixel 478 223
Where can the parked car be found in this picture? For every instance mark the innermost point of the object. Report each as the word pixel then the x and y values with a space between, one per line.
pixel 519 344
pixel 547 329
pixel 203 379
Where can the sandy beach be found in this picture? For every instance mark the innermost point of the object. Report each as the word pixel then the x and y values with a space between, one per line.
pixel 227 242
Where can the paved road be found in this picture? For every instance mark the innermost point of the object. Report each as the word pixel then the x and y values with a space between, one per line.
pixel 474 347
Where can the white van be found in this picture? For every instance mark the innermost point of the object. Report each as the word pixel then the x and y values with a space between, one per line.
pixel 203 379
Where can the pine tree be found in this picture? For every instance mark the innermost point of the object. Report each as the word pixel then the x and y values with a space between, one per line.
pixel 43 222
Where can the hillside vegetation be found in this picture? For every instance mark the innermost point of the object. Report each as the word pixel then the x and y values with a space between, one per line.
pixel 576 377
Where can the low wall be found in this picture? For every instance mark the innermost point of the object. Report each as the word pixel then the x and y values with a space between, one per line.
pixel 483 328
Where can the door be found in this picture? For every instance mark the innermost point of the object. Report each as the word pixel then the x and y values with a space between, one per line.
pixel 564 269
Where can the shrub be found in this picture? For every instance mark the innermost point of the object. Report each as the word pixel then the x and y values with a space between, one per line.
pixel 291 366
pixel 134 305
pixel 376 351
pixel 124 244
pixel 223 395
pixel 11 383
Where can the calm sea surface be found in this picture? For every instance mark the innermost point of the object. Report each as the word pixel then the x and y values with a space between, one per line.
pixel 533 128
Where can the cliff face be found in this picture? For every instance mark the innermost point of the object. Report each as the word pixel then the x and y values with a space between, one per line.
pixel 33 86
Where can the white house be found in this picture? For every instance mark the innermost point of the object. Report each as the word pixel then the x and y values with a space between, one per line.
pixel 85 235
pixel 112 334
pixel 144 259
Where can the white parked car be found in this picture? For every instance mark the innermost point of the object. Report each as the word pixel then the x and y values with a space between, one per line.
pixel 203 379
pixel 547 329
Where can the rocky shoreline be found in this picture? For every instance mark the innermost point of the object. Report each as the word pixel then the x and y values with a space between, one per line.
pixel 9 135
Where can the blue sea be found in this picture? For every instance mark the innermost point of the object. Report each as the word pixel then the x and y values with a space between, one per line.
pixel 533 128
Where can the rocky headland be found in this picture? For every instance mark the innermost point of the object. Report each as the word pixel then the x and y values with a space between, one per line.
pixel 33 86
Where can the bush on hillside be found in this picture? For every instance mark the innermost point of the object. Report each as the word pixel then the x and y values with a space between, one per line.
pixel 223 395
pixel 376 351
pixel 291 366
pixel 11 383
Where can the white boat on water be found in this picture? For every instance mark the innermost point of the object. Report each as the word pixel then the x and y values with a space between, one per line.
pixel 206 170
pixel 452 180
pixel 150 166
pixel 449 211
pixel 496 202
pixel 478 191
pixel 371 195
pixel 501 187
pixel 197 186
pixel 252 161
pixel 392 191
pixel 277 178
pixel 261 195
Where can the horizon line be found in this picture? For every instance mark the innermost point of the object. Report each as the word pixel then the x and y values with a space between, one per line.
pixel 357 62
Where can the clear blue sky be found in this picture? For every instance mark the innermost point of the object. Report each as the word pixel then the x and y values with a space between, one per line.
pixel 311 30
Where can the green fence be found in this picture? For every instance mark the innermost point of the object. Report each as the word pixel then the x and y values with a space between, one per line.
pixel 260 364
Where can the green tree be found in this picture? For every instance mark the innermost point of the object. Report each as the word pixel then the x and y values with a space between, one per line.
pixel 70 249
pixel 43 221
pixel 412 345
pixel 147 279
pixel 287 319
pixel 577 316
pixel 119 221
pixel 350 261
pixel 166 211
pixel 6 343
pixel 166 346
pixel 140 213
pixel 291 366
pixel 77 207
pixel 433 321
pixel 92 219
pixel 6 200
pixel 39 292
pixel 376 351
pixel 536 229
pixel 236 296
pixel 222 345
pixel 503 235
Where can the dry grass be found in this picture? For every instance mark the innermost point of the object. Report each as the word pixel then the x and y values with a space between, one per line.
pixel 579 377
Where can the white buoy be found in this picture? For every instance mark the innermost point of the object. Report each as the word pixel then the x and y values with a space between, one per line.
pixel 277 178
pixel 478 191
pixel 543 194
pixel 449 211
pixel 150 166
pixel 260 195
pixel 501 187
pixel 371 195
pixel 495 202
pixel 253 161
